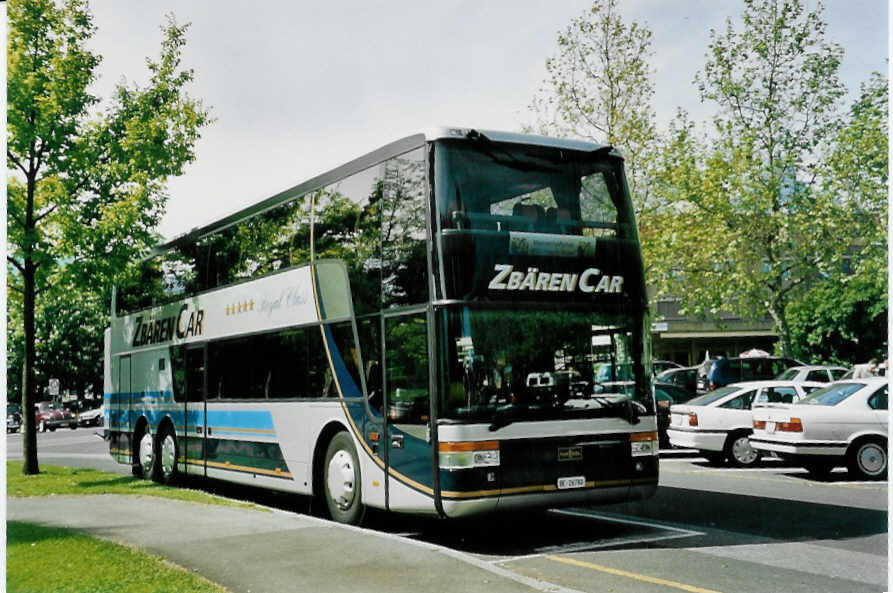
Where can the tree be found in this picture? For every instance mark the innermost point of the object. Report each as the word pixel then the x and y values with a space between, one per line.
pixel 599 88
pixel 88 188
pixel 748 226
pixel 843 318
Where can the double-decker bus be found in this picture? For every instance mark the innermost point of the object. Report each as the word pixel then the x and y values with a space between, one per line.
pixel 419 330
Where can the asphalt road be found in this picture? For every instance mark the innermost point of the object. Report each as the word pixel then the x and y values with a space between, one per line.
pixel 771 528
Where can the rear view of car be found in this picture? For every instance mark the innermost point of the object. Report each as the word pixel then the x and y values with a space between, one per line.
pixel 719 423
pixel 844 423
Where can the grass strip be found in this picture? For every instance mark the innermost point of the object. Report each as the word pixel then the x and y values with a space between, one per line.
pixel 56 480
pixel 41 559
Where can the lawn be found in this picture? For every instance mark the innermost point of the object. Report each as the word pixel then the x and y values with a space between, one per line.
pixel 41 559
pixel 54 479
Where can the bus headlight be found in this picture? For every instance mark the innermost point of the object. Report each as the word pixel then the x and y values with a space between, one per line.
pixel 462 455
pixel 643 443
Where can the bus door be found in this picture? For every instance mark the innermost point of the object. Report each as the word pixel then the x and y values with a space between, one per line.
pixel 119 414
pixel 407 406
pixel 196 409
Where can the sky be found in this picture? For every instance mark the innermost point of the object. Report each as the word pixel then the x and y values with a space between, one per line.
pixel 298 87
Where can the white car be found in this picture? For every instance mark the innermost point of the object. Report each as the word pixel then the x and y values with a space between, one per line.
pixel 817 373
pixel 843 424
pixel 719 422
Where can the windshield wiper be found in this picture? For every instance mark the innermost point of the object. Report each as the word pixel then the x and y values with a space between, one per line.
pixel 505 417
pixel 629 406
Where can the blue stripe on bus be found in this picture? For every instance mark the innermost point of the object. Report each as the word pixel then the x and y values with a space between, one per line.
pixel 229 421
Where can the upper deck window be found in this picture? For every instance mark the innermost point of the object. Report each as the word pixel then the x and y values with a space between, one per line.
pixel 506 187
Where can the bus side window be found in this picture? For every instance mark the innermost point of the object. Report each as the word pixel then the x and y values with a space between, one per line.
pixel 404 232
pixel 369 333
pixel 407 370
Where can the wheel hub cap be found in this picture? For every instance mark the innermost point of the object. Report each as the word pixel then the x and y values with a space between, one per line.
pixel 341 479
pixel 168 455
pixel 146 453
pixel 743 452
pixel 872 459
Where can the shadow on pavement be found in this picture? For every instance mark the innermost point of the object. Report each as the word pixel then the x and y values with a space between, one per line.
pixel 538 532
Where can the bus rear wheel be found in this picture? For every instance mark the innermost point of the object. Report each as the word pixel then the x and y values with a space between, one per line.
pixel 341 480
pixel 166 471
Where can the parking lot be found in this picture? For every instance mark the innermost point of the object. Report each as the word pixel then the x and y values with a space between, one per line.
pixel 768 528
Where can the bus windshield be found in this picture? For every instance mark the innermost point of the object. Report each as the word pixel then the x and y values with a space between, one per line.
pixel 505 187
pixel 537 365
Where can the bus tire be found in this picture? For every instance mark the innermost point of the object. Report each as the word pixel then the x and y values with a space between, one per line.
pixel 145 453
pixel 341 480
pixel 166 455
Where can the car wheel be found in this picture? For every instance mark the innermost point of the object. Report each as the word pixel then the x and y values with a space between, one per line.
pixel 166 470
pixel 868 459
pixel 740 451
pixel 52 429
pixel 145 454
pixel 713 457
pixel 73 425
pixel 341 480
pixel 819 468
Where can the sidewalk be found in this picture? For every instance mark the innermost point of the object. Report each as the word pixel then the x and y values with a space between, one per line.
pixel 253 551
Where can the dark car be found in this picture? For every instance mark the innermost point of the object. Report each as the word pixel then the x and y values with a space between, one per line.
pixel 724 371
pixel 686 378
pixel 666 395
pixel 13 417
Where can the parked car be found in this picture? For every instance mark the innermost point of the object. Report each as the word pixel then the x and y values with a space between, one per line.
pixel 818 373
pixel 685 378
pixel 90 417
pixel 844 423
pixel 50 416
pixel 718 423
pixel 666 395
pixel 13 417
pixel 724 371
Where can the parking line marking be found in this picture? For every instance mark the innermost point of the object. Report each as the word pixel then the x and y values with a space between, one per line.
pixel 607 517
pixel 631 575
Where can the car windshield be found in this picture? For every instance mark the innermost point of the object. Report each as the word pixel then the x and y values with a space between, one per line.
pixel 539 365
pixel 712 396
pixel 831 395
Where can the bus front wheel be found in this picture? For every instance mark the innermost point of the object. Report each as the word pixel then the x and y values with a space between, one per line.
pixel 342 480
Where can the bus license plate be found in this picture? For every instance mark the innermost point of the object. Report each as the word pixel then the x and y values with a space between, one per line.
pixel 574 482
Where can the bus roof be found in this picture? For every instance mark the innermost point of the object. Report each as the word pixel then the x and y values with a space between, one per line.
pixel 370 159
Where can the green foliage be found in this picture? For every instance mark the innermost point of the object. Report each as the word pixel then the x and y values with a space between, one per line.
pixel 52 559
pixel 599 88
pixel 748 220
pixel 843 318
pixel 86 184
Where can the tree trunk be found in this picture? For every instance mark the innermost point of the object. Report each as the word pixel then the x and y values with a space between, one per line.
pixel 29 388
pixel 779 316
